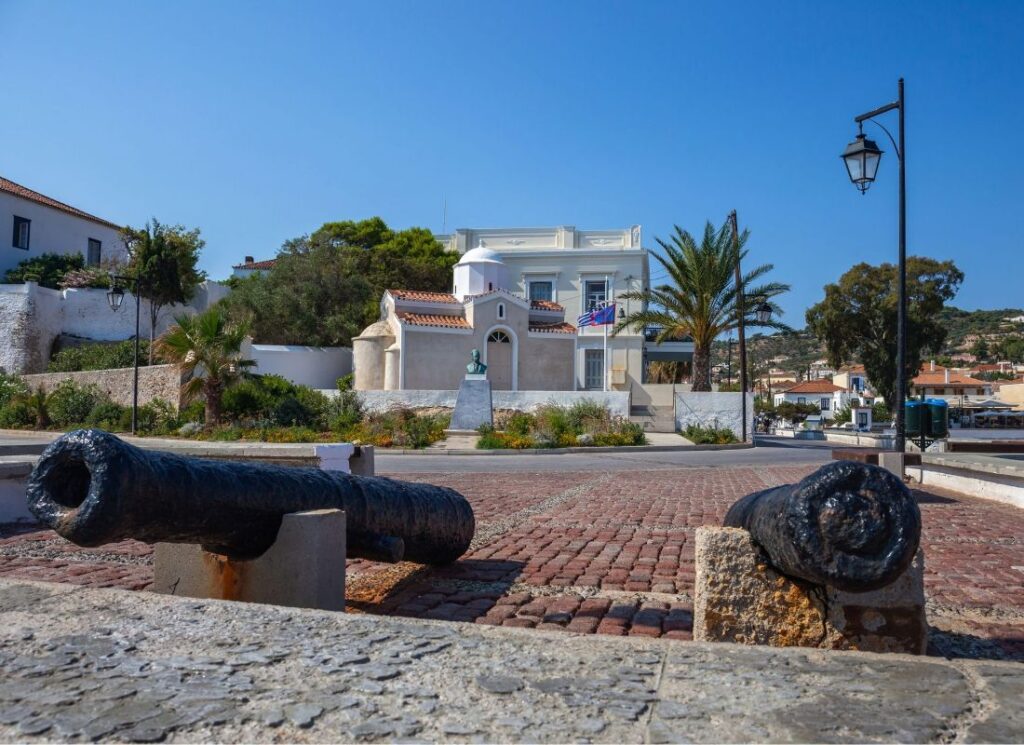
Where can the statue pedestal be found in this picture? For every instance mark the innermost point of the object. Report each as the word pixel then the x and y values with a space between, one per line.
pixel 473 405
pixel 305 568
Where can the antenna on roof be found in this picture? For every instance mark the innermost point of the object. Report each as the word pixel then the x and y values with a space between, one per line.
pixel 444 215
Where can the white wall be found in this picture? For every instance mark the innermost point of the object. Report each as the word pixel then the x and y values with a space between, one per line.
pixel 30 320
pixel 317 367
pixel 52 231
pixel 375 401
pixel 715 409
pixel 31 317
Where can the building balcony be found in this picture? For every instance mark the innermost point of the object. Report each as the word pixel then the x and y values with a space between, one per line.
pixel 674 350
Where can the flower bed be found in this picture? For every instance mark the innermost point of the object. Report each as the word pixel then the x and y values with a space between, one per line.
pixel 583 424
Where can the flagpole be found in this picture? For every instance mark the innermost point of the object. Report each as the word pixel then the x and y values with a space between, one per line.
pixel 607 366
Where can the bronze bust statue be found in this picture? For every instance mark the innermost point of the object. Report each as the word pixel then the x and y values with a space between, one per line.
pixel 476 367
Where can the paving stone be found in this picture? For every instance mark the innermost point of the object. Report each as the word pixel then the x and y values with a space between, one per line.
pixel 499 683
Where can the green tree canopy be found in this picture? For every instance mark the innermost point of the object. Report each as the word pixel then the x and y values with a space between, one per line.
pixel 46 269
pixel 699 298
pixel 325 288
pixel 857 319
pixel 164 258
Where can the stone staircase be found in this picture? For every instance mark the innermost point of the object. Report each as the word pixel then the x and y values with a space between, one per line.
pixel 654 418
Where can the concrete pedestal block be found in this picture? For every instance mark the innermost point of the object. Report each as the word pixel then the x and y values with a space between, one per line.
pixel 305 568
pixel 473 406
pixel 361 463
pixel 740 598
pixel 893 462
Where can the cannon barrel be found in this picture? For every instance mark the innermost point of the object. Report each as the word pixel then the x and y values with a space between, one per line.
pixel 850 525
pixel 93 488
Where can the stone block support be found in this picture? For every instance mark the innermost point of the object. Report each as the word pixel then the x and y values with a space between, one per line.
pixel 740 598
pixel 305 568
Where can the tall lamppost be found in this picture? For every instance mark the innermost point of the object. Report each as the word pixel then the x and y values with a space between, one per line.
pixel 115 296
pixel 862 157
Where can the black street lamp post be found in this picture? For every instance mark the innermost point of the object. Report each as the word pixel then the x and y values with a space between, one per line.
pixel 862 157
pixel 115 296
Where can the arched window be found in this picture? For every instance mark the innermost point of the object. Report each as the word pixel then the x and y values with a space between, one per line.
pixel 500 337
pixel 501 310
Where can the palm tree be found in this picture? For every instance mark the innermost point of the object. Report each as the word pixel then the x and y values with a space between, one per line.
pixel 699 301
pixel 207 348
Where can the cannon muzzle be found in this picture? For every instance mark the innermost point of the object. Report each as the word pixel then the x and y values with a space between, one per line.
pixel 93 488
pixel 850 525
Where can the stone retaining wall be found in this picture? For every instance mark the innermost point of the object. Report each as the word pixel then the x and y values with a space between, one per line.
pixel 155 381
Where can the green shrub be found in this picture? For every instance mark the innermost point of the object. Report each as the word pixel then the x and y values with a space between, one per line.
pixel 710 435
pixel 69 403
pixel 99 356
pixel 11 387
pixel 344 411
pixel 586 412
pixel 519 423
pixel 245 400
pixel 489 439
pixel 194 411
pixel 47 269
pixel 17 414
pixel 108 415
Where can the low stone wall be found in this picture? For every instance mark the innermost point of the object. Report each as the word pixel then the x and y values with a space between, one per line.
pixel 713 409
pixel 860 439
pixel 156 381
pixel 377 401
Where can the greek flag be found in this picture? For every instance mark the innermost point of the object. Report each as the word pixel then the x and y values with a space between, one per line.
pixel 603 316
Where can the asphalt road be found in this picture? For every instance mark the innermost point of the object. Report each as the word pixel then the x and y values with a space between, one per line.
pixel 769 452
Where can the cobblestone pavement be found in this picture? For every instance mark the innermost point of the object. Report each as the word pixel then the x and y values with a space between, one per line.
pixel 612 553
pixel 81 664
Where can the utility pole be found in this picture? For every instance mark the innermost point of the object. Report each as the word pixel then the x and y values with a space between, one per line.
pixel 740 312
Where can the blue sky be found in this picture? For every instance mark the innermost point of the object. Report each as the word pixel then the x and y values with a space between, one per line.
pixel 259 121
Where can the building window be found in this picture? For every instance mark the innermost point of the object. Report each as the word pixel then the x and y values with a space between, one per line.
pixel 801 400
pixel 21 232
pixel 92 258
pixel 541 291
pixel 499 337
pixel 501 310
pixel 595 294
pixel 825 404
pixel 490 286
pixel 593 369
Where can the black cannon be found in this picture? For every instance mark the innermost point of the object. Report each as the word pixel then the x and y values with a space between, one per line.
pixel 849 525
pixel 92 488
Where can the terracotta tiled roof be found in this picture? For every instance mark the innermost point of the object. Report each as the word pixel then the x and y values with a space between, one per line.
pixel 814 386
pixel 425 297
pixel 268 264
pixel 553 328
pixel 25 193
pixel 545 305
pixel 430 319
pixel 852 369
pixel 939 379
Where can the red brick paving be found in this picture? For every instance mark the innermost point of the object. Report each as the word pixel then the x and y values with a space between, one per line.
pixel 615 558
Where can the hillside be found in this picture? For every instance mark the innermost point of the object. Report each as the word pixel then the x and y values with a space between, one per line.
pixel 797 350
pixel 965 327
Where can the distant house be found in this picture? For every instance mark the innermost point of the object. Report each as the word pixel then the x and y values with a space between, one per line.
pixel 950 385
pixel 853 377
pixel 827 397
pixel 32 224
pixel 250 267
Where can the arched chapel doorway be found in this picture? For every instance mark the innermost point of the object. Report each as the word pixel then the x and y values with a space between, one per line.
pixel 500 357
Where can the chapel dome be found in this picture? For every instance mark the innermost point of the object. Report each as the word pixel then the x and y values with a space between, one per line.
pixel 377 330
pixel 480 255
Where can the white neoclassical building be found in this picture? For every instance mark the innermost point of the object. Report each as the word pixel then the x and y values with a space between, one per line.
pixel 516 295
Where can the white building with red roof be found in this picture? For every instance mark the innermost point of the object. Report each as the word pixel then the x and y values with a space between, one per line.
pixel 826 396
pixel 32 224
